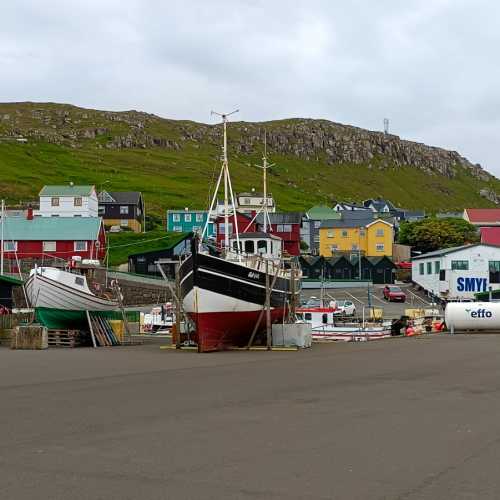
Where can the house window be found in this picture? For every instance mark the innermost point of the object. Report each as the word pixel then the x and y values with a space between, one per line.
pixel 199 217
pixel 196 228
pixel 80 246
pixel 10 246
pixel 187 217
pixel 287 228
pixel 77 201
pixel 54 202
pixel 494 265
pixel 124 223
pixel 361 232
pixel 178 229
pixel 380 232
pixel 49 246
pixel 421 268
pixel 429 267
pixel 460 265
pixel 316 238
pixel 317 223
pixel 344 234
pixel 437 267
pixel 279 228
pixel 123 209
pixel 176 217
pixel 330 233
pixel 379 247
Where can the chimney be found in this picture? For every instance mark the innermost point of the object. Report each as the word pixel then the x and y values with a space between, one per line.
pixel 29 215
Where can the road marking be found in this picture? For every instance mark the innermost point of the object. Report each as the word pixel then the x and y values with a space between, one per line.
pixel 418 297
pixel 353 297
pixel 378 298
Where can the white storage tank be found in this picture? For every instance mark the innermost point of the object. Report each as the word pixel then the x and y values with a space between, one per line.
pixel 472 316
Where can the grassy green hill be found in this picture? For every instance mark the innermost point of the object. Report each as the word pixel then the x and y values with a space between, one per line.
pixel 174 164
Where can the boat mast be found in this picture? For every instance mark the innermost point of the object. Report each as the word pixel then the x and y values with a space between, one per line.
pixel 264 167
pixel 264 208
pixel 228 191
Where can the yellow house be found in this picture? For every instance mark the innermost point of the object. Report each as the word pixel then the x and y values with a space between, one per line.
pixel 373 237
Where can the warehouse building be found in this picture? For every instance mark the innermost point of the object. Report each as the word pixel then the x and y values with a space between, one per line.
pixel 458 273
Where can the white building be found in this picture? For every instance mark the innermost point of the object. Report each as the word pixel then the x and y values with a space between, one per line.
pixel 458 273
pixel 68 201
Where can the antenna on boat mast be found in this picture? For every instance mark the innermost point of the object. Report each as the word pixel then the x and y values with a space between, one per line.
pixel 228 189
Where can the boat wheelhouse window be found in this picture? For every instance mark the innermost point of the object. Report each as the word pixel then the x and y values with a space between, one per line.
pixel 235 245
pixel 262 246
pixel 249 246
pixel 308 316
pixel 324 318
pixel 79 281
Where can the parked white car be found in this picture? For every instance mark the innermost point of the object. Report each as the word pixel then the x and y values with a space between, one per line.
pixel 345 308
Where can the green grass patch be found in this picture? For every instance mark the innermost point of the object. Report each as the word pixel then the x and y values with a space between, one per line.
pixel 126 243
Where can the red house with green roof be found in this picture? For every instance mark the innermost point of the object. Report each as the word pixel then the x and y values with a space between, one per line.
pixel 53 239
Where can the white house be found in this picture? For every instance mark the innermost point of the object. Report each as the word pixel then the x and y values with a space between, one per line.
pixel 68 201
pixel 458 273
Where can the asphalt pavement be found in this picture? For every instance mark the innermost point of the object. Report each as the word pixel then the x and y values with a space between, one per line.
pixel 359 296
pixel 394 419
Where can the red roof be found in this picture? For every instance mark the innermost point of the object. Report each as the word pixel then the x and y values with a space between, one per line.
pixel 490 235
pixel 486 215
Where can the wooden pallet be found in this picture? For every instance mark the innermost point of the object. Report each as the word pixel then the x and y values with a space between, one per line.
pixel 64 338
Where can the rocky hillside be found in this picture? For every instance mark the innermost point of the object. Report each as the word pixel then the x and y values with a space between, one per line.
pixel 317 160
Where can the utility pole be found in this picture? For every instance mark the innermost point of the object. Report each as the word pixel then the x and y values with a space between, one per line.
pixel 359 252
pixel 2 238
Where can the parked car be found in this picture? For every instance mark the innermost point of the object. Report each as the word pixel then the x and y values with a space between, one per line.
pixel 345 308
pixel 394 293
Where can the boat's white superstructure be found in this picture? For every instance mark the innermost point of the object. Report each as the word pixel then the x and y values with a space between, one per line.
pixel 325 326
pixel 57 289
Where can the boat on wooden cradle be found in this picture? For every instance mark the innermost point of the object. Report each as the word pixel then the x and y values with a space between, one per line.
pixel 325 325
pixel 52 288
pixel 225 292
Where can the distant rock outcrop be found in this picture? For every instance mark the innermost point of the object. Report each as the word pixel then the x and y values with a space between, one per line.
pixel 306 139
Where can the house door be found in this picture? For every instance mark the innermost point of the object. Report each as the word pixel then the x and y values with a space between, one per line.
pixel 378 276
pixel 389 276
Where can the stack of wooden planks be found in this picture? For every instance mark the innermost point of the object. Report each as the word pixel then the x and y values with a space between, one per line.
pixel 65 338
pixel 101 332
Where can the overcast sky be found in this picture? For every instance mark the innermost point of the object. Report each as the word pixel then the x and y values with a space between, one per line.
pixel 430 66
